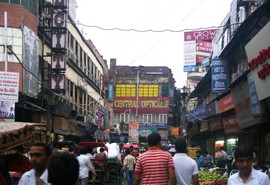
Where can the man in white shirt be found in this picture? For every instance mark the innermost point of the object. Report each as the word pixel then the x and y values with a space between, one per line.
pixel 40 154
pixel 129 164
pixel 85 167
pixel 186 170
pixel 247 175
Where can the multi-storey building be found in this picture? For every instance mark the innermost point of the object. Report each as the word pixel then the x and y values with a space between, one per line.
pixel 61 73
pixel 234 95
pixel 143 95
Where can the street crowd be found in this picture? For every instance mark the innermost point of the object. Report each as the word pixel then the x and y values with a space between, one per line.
pixel 153 167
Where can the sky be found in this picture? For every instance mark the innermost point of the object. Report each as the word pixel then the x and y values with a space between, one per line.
pixel 139 47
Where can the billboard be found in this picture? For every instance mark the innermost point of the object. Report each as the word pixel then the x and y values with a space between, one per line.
pixel 9 86
pixel 219 75
pixel 30 61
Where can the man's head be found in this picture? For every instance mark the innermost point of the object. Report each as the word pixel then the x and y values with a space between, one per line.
pixel 243 158
pixel 198 153
pixel 63 169
pixel 40 154
pixel 101 149
pixel 127 151
pixel 83 150
pixel 204 153
pixel 181 145
pixel 131 148
pixel 154 139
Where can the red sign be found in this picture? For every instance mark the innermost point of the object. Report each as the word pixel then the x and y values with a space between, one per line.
pixel 230 124
pixel 199 35
pixel 225 103
pixel 145 105
pixel 216 123
pixel 199 58
pixel 204 46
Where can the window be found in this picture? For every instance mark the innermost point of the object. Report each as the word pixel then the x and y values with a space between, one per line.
pixel 165 90
pixel 148 90
pixel 125 90
pixel 147 118
pixel 124 118
pixel 163 118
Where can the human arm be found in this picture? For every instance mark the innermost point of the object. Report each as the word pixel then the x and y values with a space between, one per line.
pixel 172 178
pixel 137 180
pixel 90 166
pixel 195 179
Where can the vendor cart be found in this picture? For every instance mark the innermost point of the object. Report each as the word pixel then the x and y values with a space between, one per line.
pixel 15 140
pixel 99 164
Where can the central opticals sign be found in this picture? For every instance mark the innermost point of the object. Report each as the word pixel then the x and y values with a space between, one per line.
pixel 145 105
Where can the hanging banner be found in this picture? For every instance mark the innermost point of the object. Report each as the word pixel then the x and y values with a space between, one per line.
pixel 9 86
pixel 7 111
pixel 219 75
pixel 99 116
pixel 133 133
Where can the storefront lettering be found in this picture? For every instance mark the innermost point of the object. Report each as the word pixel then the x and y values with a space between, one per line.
pixel 142 104
pixel 263 55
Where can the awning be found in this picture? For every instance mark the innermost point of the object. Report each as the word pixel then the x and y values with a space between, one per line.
pixel 13 134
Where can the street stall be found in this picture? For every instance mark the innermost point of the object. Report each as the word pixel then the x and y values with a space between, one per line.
pixel 15 140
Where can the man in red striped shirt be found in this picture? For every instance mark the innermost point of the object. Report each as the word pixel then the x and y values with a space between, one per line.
pixel 155 166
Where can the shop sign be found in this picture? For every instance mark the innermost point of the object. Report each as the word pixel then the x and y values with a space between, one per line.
pixel 254 101
pixel 145 105
pixel 99 116
pixel 133 132
pixel 219 75
pixel 258 54
pixel 211 109
pixel 230 124
pixel 198 113
pixel 242 105
pixel 163 134
pixel 203 35
pixel 9 86
pixel 116 138
pixel 175 131
pixel 204 126
pixel 204 46
pixel 216 123
pixel 225 103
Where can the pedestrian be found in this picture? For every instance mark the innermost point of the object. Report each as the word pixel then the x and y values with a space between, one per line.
pixel 155 166
pixel 85 167
pixel 128 166
pixel 40 154
pixel 221 157
pixel 131 148
pixel 63 169
pixel 101 155
pixel 246 174
pixel 186 169
pixel 207 159
pixel 199 159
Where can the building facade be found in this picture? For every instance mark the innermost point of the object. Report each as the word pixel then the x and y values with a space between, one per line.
pixel 61 82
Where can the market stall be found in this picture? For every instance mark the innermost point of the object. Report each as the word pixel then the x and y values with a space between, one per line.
pixel 15 140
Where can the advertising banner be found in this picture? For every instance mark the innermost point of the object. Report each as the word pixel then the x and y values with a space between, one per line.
pixel 133 132
pixel 242 106
pixel 198 113
pixel 204 46
pixel 190 68
pixel 30 61
pixel 230 124
pixel 211 109
pixel 204 35
pixel 9 86
pixel 225 103
pixel 257 51
pixel 7 111
pixel 163 134
pixel 110 92
pixel 189 53
pixel 99 116
pixel 219 75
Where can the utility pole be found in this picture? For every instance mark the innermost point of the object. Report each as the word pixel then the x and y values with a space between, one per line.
pixel 138 70
pixel 5 41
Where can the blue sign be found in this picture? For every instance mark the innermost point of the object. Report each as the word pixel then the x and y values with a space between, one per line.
pixel 254 101
pixel 190 68
pixel 110 92
pixel 198 113
pixel 219 75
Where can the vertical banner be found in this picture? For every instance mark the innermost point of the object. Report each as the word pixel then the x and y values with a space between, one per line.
pixel 99 116
pixel 30 61
pixel 133 133
pixel 110 92
pixel 219 75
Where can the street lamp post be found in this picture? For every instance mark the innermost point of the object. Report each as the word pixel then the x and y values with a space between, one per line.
pixel 138 70
pixel 184 94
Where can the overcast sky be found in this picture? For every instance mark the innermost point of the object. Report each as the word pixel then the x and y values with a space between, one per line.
pixel 147 48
